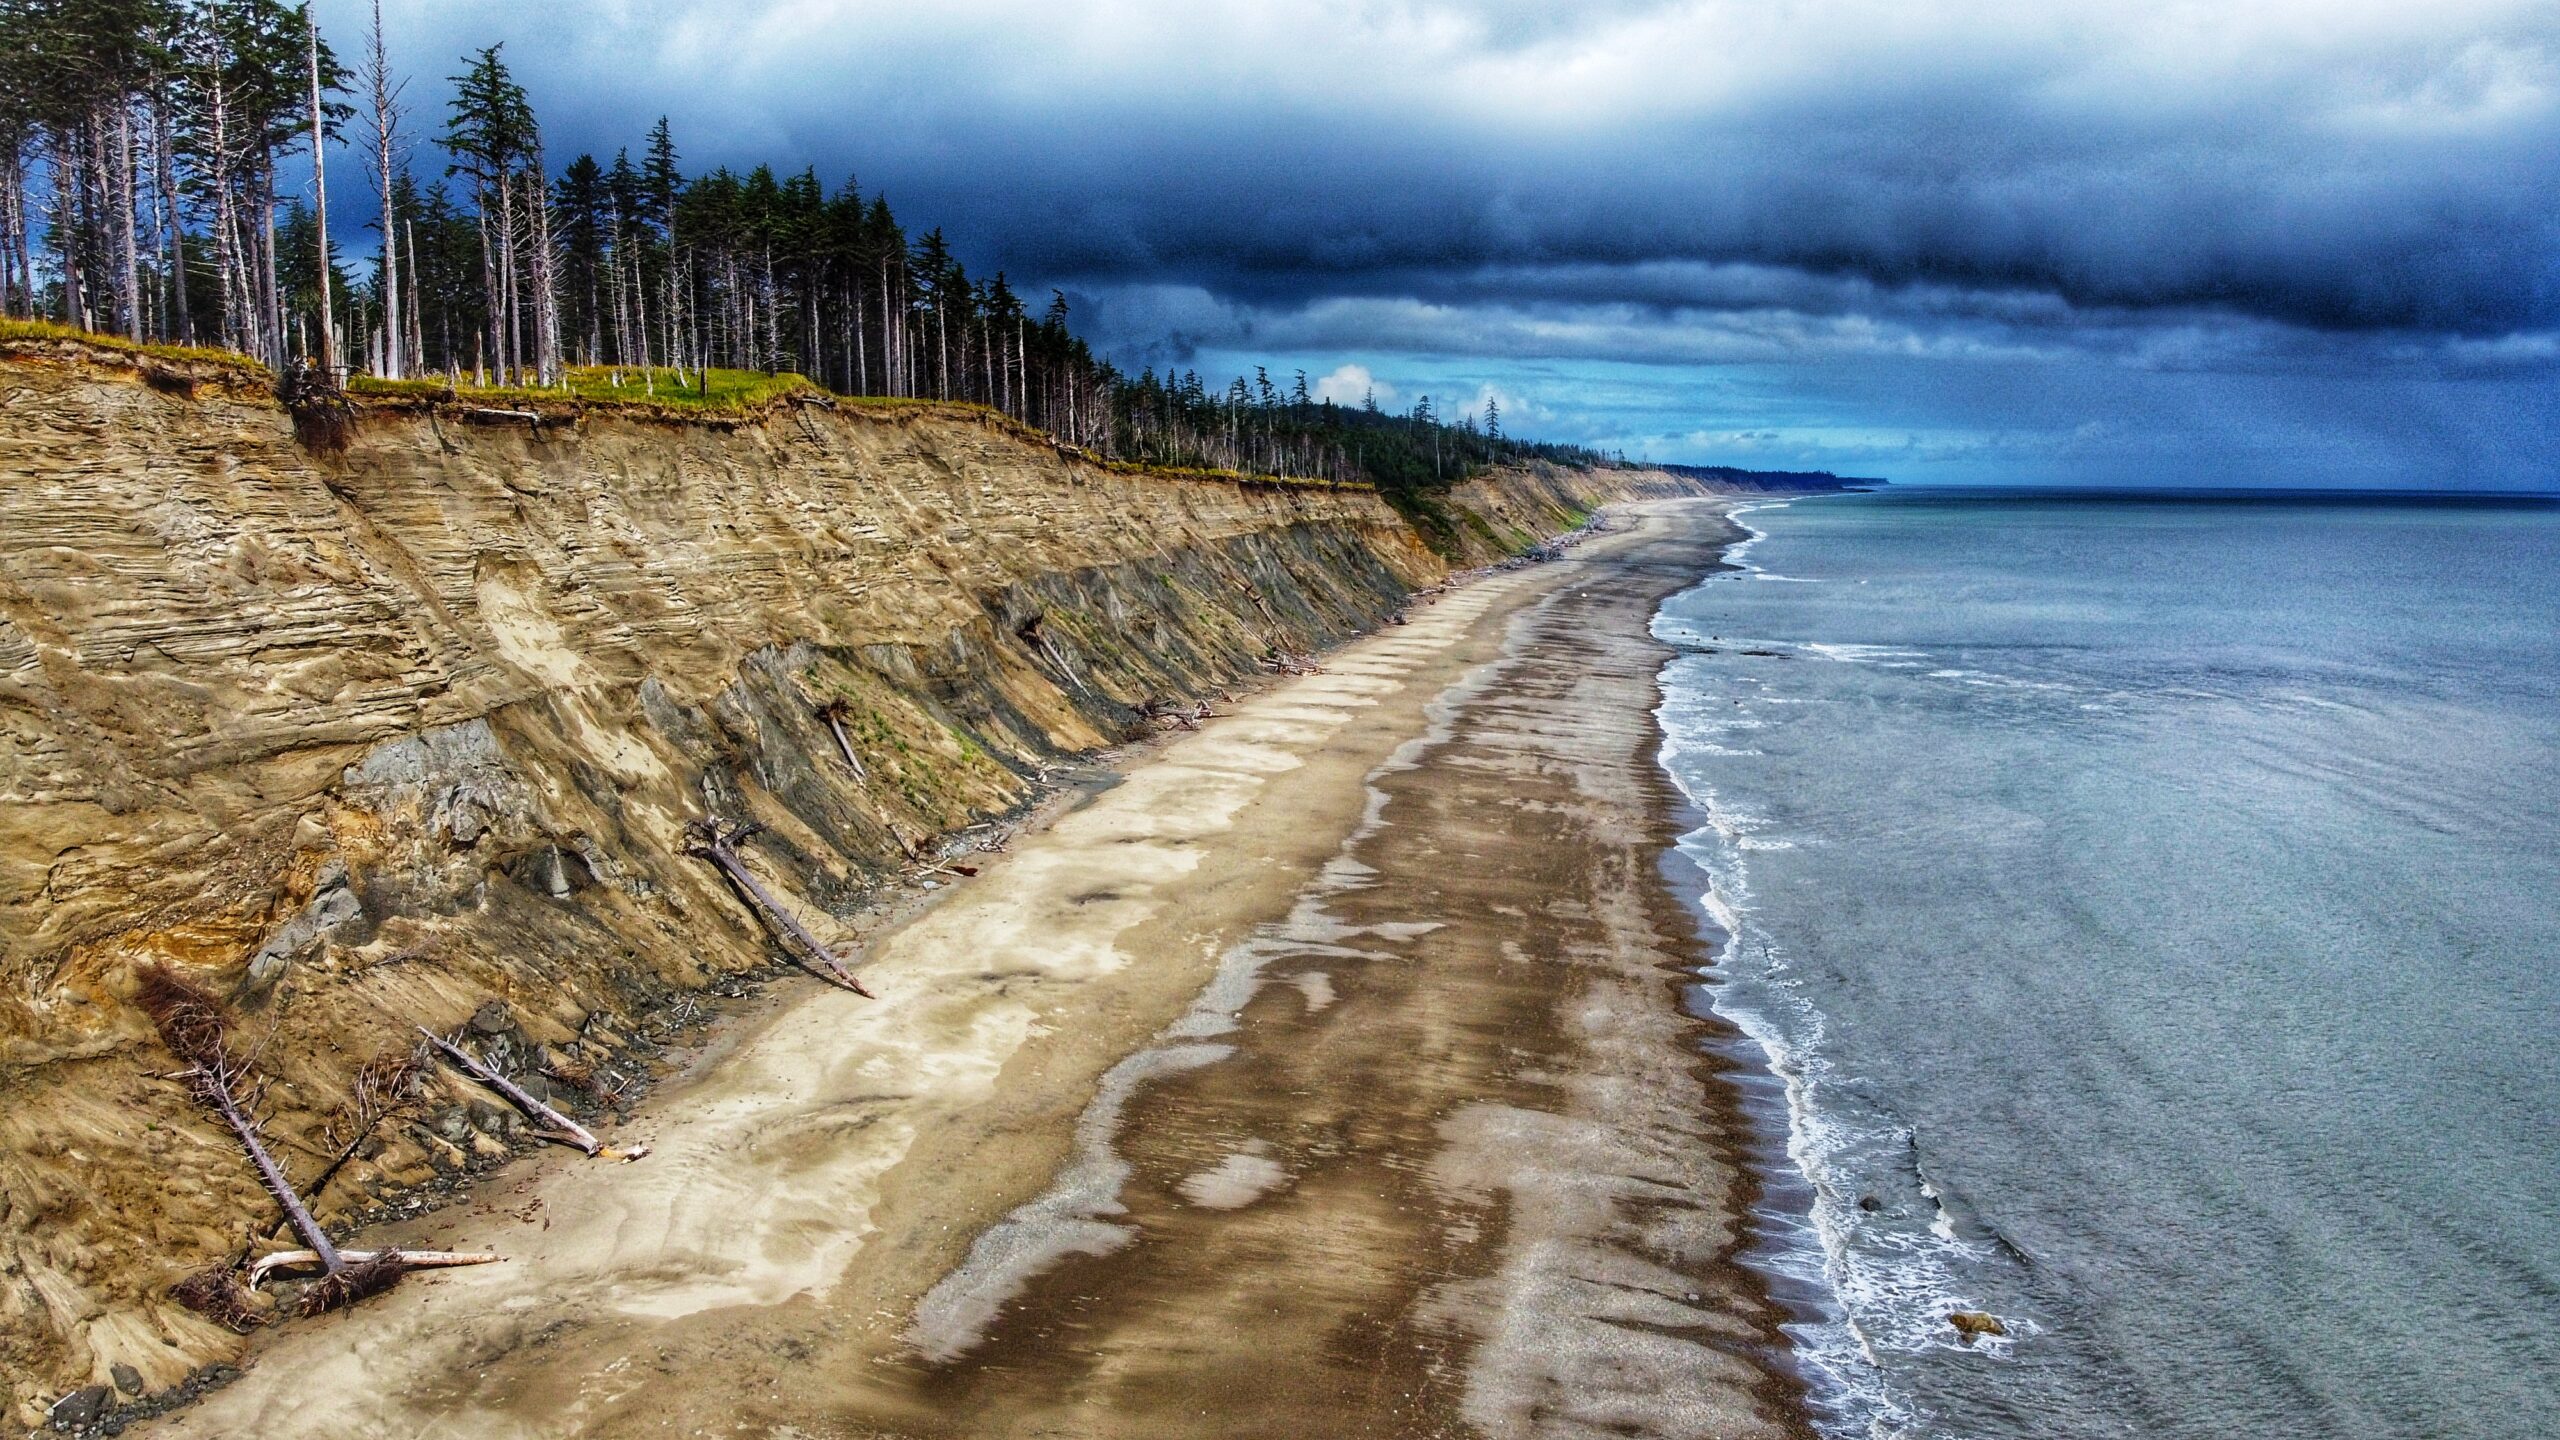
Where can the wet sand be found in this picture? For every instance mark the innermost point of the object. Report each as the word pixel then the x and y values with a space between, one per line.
pixel 1326 1076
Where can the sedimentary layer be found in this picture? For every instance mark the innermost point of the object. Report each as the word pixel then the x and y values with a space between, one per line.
pixel 412 734
pixel 1324 1077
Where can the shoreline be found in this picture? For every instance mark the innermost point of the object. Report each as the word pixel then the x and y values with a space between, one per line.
pixel 1783 1249
pixel 1336 1192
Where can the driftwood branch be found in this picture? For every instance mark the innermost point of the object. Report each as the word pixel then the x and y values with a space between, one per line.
pixel 804 397
pixel 265 1265
pixel 1283 663
pixel 834 714
pixel 562 1127
pixel 1186 716
pixel 478 415
pixel 717 842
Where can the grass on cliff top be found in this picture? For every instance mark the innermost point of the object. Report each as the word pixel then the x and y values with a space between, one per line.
pixel 47 330
pixel 723 392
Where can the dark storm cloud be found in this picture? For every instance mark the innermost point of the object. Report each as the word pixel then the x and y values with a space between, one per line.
pixel 2337 166
pixel 2364 188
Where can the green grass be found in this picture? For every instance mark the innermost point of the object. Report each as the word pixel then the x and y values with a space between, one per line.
pixel 189 354
pixel 731 392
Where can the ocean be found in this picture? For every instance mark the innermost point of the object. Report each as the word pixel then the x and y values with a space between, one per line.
pixel 2141 914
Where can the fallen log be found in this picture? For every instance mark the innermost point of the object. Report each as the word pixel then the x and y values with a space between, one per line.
pixel 834 714
pixel 265 1265
pixel 480 415
pixel 1038 634
pixel 562 1127
pixel 194 1027
pixel 717 842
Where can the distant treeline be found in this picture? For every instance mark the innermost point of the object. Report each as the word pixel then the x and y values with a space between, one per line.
pixel 1771 479
pixel 140 142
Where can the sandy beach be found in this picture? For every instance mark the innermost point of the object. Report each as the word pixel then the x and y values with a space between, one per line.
pixel 1324 1076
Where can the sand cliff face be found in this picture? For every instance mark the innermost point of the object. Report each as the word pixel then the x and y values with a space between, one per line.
pixel 378 739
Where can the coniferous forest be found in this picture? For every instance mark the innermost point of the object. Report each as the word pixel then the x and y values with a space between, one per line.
pixel 145 149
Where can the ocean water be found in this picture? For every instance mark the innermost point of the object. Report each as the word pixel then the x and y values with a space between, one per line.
pixel 2144 914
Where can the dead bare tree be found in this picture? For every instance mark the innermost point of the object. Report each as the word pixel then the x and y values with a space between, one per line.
pixel 562 1127
pixel 195 1028
pixel 384 89
pixel 1038 634
pixel 717 840
pixel 320 198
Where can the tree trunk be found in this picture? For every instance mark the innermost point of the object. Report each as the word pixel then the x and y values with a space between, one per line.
pixel 320 204
pixel 66 189
pixel 175 219
pixel 215 1088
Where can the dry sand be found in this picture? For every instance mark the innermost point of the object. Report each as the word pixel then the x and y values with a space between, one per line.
pixel 1326 1076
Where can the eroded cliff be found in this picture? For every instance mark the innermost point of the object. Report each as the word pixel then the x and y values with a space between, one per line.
pixel 383 737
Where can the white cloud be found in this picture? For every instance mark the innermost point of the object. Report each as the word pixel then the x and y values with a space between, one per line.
pixel 1354 385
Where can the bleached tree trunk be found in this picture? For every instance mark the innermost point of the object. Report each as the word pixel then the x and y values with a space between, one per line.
pixel 173 217
pixel 385 94
pixel 129 239
pixel 320 199
pixel 273 298
pixel 543 277
pixel 418 326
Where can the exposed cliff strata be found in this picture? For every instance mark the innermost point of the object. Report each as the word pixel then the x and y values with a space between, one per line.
pixel 381 737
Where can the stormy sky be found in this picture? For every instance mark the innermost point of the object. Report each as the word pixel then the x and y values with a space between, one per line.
pixel 2130 243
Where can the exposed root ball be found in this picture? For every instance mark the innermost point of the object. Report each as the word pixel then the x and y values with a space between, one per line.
pixel 323 420
pixel 217 1294
pixel 191 1023
pixel 355 1282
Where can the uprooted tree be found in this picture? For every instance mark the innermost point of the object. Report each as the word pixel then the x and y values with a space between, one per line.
pixel 197 1029
pixel 717 841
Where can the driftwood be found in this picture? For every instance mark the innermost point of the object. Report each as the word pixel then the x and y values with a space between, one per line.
pixel 833 713
pixel 192 1024
pixel 1283 663
pixel 265 1265
pixel 717 842
pixel 1038 634
pixel 804 397
pixel 479 415
pixel 1188 717
pixel 562 1127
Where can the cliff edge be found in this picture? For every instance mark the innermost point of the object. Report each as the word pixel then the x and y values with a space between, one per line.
pixel 411 734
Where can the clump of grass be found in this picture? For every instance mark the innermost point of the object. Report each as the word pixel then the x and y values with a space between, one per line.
pixel 47 330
